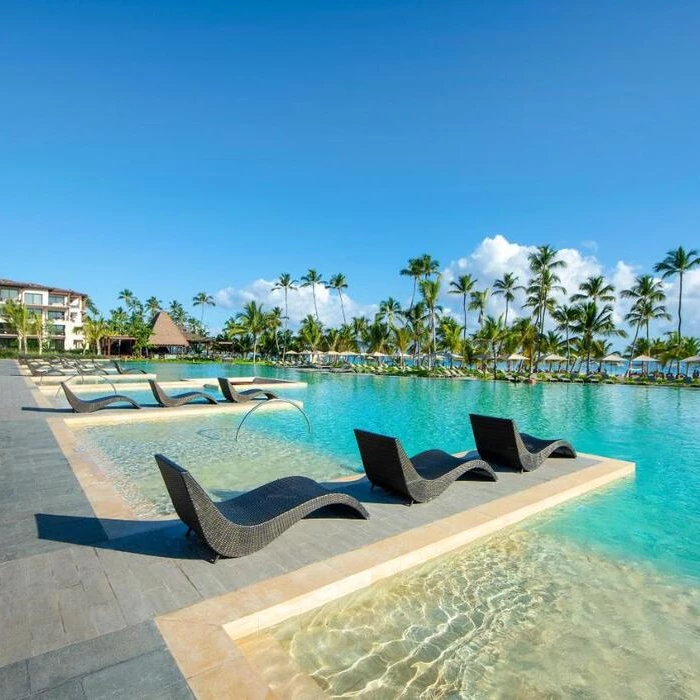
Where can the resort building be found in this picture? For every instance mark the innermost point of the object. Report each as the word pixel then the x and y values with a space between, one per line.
pixel 62 312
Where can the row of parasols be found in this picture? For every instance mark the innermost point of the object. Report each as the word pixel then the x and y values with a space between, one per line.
pixel 514 357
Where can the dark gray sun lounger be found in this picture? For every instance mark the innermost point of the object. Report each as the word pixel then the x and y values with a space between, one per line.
pixel 179 399
pixel 419 478
pixel 233 395
pixel 499 442
pixel 89 405
pixel 252 520
pixel 121 369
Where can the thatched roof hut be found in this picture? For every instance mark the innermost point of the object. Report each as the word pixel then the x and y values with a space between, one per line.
pixel 165 333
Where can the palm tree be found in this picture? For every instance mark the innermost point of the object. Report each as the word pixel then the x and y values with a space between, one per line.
pixel 430 291
pixel 311 279
pixel 506 287
pixel 177 312
pixel 678 262
pixel 153 306
pixel 128 297
pixel 648 305
pixel 253 320
pixel 273 323
pixel 17 318
pixel 491 335
pixel 463 285
pixel 402 341
pixel 311 333
pixel 286 283
pixel 338 282
pixel 415 270
pixel 389 311
pixel 543 285
pixel 594 289
pixel 478 303
pixel 565 316
pixel 591 321
pixel 94 330
pixel 203 299
pixel 429 266
pixel 37 327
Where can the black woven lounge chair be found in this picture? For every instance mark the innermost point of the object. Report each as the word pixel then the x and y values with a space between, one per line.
pixel 499 442
pixel 179 399
pixel 233 395
pixel 89 405
pixel 121 370
pixel 252 520
pixel 419 478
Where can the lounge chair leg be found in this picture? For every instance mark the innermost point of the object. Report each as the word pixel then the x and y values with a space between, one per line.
pixel 371 487
pixel 187 534
pixel 215 559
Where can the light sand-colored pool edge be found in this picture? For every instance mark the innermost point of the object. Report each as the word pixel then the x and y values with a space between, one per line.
pixel 229 655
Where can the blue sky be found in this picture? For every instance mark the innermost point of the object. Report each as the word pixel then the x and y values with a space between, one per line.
pixel 172 147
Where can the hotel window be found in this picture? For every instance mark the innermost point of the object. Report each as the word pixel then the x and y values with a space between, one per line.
pixel 56 316
pixel 57 299
pixel 30 298
pixel 8 294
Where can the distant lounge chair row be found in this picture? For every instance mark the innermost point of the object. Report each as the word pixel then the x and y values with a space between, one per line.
pixel 248 522
pixel 164 399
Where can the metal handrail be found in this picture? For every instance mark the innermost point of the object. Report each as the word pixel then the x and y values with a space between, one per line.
pixel 269 401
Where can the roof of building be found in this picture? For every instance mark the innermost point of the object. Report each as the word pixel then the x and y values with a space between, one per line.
pixel 164 331
pixel 32 285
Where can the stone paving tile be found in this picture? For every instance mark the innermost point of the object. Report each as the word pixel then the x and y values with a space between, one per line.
pixel 72 690
pixel 56 667
pixel 136 678
pixel 14 681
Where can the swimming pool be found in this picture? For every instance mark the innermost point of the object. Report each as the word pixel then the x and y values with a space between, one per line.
pixel 617 567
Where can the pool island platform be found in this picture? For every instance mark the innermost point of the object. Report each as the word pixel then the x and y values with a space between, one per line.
pixel 96 603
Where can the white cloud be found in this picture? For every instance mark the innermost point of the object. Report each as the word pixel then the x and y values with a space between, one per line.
pixel 490 260
pixel 300 302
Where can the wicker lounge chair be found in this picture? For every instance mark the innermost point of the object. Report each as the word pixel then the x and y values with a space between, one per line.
pixel 419 478
pixel 89 405
pixel 121 370
pixel 499 442
pixel 235 396
pixel 179 399
pixel 248 522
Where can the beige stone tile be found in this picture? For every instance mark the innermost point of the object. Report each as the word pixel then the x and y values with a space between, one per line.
pixel 196 647
pixel 233 679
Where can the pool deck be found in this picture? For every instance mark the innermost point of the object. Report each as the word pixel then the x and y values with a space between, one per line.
pixel 94 603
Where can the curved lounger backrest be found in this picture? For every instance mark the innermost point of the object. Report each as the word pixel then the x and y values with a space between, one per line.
pixel 386 462
pixel 497 440
pixel 160 396
pixel 78 405
pixel 228 391
pixel 187 495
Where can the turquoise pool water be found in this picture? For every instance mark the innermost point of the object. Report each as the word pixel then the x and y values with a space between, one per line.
pixel 609 579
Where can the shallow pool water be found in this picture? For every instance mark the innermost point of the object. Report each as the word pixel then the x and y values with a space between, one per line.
pixel 600 586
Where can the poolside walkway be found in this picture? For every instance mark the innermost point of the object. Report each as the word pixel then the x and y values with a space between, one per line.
pixel 77 609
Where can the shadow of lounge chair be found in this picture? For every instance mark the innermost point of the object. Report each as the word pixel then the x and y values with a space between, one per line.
pixel 179 399
pixel 499 442
pixel 89 405
pixel 419 478
pixel 252 520
pixel 234 396
pixel 121 370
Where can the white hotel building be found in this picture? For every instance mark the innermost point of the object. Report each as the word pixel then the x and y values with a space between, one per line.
pixel 63 311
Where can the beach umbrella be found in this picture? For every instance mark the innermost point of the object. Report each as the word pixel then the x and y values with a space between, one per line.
pixel 644 358
pixel 515 357
pixel 692 360
pixel 554 358
pixel 351 353
pixel 332 352
pixel 291 352
pixel 612 358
